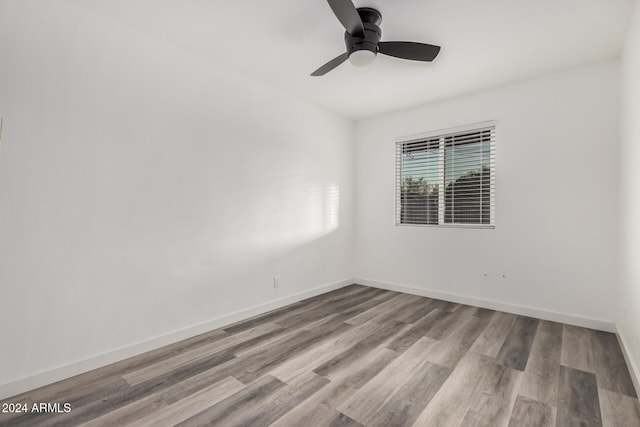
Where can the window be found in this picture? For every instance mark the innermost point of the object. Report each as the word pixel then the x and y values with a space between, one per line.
pixel 447 178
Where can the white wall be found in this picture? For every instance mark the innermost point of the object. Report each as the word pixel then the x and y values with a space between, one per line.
pixel 144 190
pixel 556 199
pixel 629 314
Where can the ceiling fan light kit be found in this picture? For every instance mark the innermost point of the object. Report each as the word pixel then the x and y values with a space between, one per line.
pixel 362 58
pixel 362 39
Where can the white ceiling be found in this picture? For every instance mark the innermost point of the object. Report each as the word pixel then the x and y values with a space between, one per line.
pixel 485 43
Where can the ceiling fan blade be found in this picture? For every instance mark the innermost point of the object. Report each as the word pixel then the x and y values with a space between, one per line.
pixel 409 50
pixel 330 65
pixel 348 16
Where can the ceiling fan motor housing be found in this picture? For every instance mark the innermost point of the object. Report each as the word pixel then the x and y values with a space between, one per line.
pixel 362 39
pixel 371 19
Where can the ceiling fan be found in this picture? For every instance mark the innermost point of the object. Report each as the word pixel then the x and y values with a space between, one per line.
pixel 362 39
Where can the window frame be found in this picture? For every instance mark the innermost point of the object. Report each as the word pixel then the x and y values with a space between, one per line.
pixel 442 134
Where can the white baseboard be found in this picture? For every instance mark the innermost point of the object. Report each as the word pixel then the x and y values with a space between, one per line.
pixel 585 322
pixel 633 368
pixel 48 377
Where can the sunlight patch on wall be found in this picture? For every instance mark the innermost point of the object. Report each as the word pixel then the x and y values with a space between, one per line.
pixel 332 206
pixel 312 213
pixel 300 216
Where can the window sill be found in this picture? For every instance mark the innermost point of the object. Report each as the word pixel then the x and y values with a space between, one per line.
pixel 481 226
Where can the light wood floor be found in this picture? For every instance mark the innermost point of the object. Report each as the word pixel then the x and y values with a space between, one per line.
pixel 360 356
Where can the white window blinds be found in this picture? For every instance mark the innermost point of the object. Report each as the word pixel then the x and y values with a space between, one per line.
pixel 447 179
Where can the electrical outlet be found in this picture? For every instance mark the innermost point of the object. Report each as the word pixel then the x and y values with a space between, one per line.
pixel 276 281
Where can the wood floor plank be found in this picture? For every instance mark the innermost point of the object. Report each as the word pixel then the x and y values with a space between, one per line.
pixel 450 404
pixel 401 311
pixel 380 309
pixel 259 341
pixel 192 404
pixel 514 353
pixel 541 376
pixel 281 401
pixel 445 305
pixel 494 399
pixel 221 413
pixel 447 354
pixel 341 302
pixel 352 354
pixel 195 383
pixel 468 330
pixel 618 410
pixel 548 341
pixel 578 402
pixel 349 309
pixel 375 295
pixel 577 349
pixel 308 361
pixel 159 370
pixel 528 413
pixel 484 312
pixel 273 338
pixel 364 404
pixel 346 310
pixel 341 420
pixel 414 314
pixel 494 335
pixel 418 330
pixel 169 364
pixel 128 414
pixel 610 368
pixel 457 341
pixel 541 380
pixel 449 322
pixel 249 368
pixel 406 405
pixel 319 409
